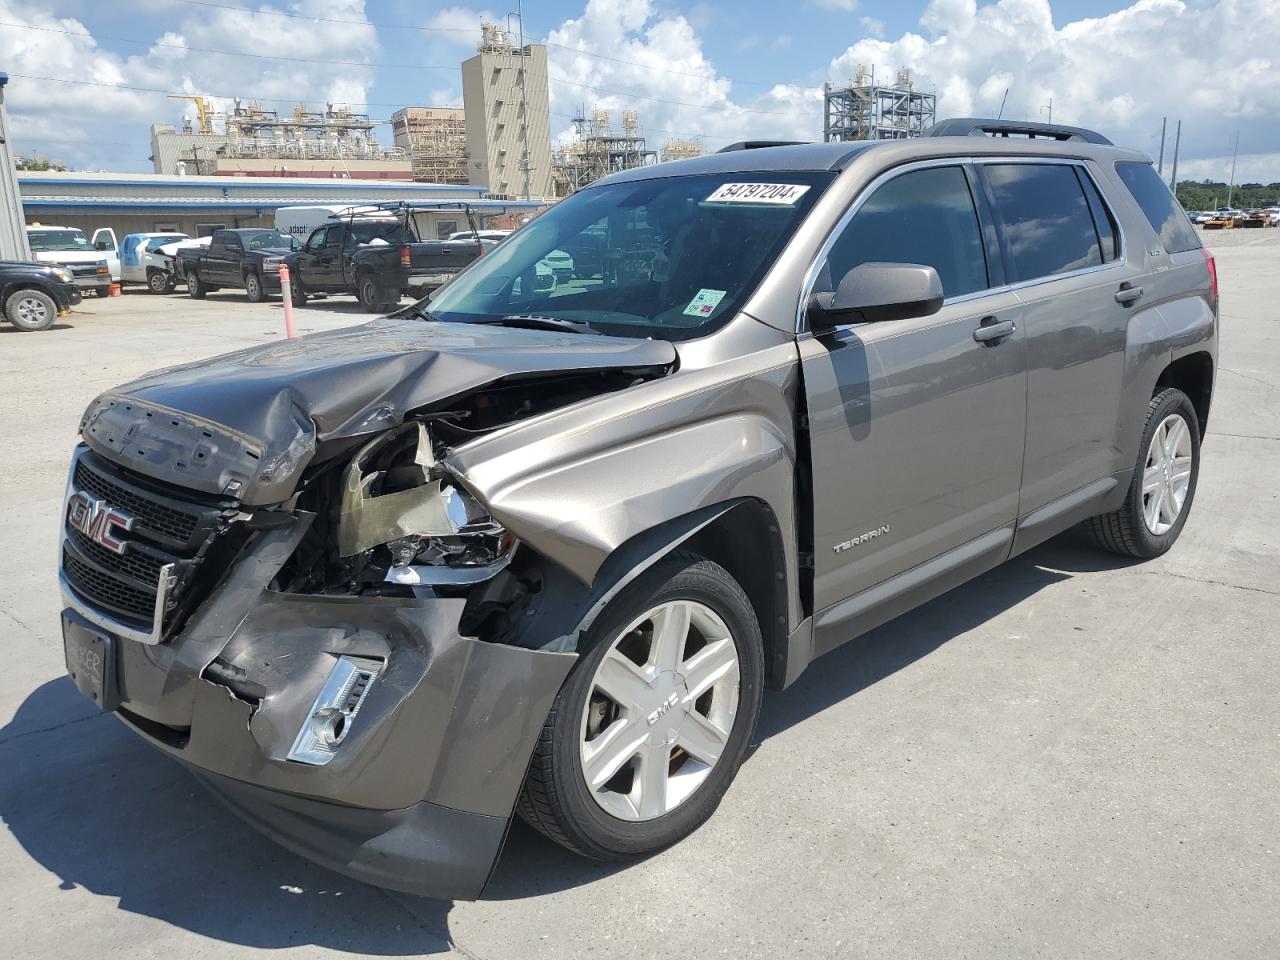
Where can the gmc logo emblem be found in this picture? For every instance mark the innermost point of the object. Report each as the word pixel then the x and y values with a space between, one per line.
pixel 98 520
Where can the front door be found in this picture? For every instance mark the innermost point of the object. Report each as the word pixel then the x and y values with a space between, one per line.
pixel 316 263
pixel 916 426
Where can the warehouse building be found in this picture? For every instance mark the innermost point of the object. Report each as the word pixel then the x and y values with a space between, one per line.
pixel 142 203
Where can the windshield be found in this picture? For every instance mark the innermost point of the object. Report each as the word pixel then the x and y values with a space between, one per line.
pixel 268 240
pixel 671 258
pixel 155 242
pixel 43 241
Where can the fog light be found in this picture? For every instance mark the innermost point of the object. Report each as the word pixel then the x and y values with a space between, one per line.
pixel 332 715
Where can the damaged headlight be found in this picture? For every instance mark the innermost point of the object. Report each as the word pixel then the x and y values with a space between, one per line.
pixel 399 512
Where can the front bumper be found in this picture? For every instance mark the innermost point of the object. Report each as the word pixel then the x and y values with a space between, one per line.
pixel 418 795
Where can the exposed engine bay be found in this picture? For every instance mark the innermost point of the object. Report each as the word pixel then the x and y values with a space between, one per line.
pixel 392 520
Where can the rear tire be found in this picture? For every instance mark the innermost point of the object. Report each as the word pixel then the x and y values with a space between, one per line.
pixel 369 294
pixel 195 286
pixel 676 736
pixel 1163 487
pixel 30 310
pixel 253 287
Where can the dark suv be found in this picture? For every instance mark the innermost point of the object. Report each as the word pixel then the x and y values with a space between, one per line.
pixel 539 548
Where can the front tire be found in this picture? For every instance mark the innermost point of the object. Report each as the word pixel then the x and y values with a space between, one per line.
pixel 1163 485
pixel 159 283
pixel 31 310
pixel 195 286
pixel 653 722
pixel 253 287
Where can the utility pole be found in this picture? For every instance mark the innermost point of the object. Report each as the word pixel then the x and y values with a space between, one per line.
pixel 1050 109
pixel 1232 185
pixel 13 228
pixel 1164 125
pixel 524 103
pixel 1177 142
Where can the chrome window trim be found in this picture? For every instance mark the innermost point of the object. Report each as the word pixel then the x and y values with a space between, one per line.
pixel 815 266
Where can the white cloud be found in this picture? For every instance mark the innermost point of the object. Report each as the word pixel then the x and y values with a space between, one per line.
pixel 847 6
pixel 74 121
pixel 460 26
pixel 1118 73
pixel 657 67
pixel 873 27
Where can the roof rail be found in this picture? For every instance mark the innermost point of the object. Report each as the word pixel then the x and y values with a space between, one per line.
pixel 978 127
pixel 760 145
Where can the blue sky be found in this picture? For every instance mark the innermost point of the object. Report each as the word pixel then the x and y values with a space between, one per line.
pixel 720 69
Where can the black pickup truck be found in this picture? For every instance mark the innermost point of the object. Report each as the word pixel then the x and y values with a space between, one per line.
pixel 246 258
pixel 377 256
pixel 34 295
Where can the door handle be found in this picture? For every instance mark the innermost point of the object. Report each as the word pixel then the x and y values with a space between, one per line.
pixel 993 329
pixel 1127 294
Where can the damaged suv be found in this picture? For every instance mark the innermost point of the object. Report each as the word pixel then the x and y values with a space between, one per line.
pixel 535 549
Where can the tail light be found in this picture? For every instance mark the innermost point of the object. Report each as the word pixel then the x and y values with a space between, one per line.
pixel 1213 273
pixel 404 257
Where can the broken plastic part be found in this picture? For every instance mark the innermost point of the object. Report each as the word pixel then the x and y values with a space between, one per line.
pixel 367 521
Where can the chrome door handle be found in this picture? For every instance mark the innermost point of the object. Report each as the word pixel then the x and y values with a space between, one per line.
pixel 1127 294
pixel 993 329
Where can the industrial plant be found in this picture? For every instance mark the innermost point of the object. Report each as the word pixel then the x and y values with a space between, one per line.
pixel 867 110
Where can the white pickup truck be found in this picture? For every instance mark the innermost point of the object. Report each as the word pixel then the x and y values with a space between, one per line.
pixel 92 270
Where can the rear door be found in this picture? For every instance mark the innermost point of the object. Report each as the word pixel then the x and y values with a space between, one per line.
pixel 1064 254
pixel 916 426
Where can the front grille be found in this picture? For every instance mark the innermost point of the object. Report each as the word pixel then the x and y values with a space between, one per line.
pixel 170 526
pixel 85 270
pixel 144 568
pixel 107 592
pixel 176 524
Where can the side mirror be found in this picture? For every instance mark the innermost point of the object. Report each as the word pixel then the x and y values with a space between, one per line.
pixel 102 245
pixel 875 292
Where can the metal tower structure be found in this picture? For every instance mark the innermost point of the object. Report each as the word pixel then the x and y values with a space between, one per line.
pixel 597 150
pixel 864 110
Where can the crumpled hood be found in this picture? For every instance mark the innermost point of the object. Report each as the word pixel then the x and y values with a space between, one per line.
pixel 247 423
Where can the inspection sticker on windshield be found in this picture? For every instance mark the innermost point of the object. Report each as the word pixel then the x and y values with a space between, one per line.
pixel 704 303
pixel 782 193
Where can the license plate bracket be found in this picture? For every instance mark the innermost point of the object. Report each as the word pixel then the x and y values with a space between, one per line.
pixel 91 661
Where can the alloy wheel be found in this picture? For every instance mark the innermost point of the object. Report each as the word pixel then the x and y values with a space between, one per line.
pixel 31 311
pixel 660 711
pixel 1167 474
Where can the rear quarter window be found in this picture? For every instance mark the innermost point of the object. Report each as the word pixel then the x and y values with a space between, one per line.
pixel 1162 211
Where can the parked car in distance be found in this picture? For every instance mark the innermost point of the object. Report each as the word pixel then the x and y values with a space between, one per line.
pixel 1273 216
pixel 139 262
pixel 540 552
pixel 249 258
pixel 34 295
pixel 69 247
pixel 378 258
pixel 1204 216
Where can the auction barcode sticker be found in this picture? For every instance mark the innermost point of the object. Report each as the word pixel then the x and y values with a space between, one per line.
pixel 783 193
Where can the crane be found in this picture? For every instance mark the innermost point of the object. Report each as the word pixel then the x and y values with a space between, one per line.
pixel 203 111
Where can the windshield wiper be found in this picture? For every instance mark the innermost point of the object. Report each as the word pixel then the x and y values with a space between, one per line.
pixel 532 321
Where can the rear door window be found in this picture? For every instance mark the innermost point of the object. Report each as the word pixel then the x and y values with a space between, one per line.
pixel 1162 211
pixel 924 216
pixel 1045 218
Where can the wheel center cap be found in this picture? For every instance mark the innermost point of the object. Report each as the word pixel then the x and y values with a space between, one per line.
pixel 663 712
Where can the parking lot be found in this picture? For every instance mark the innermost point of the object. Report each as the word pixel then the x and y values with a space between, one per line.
pixel 1072 756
